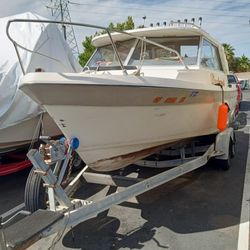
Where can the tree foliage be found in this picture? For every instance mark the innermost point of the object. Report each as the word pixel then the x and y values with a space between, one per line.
pixel 229 51
pixel 241 64
pixel 88 48
pixel 127 25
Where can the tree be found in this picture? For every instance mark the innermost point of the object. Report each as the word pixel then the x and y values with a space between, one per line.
pixel 88 50
pixel 127 25
pixel 229 51
pixel 87 43
pixel 243 64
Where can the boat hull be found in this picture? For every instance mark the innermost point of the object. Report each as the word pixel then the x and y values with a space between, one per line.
pixel 105 133
pixel 136 116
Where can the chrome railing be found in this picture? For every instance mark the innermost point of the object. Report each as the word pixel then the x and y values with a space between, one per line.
pixel 17 45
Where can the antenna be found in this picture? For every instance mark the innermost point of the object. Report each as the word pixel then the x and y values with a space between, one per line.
pixel 200 21
pixel 185 22
pixel 144 18
pixel 60 11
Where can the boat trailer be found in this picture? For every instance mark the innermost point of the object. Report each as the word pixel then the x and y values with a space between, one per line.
pixel 63 212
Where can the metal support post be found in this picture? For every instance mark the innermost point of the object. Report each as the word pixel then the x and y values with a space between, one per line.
pixel 52 203
pixel 62 19
pixel 64 166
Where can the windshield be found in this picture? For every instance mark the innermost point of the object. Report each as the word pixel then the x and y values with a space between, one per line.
pixel 187 47
pixel 105 56
pixel 149 54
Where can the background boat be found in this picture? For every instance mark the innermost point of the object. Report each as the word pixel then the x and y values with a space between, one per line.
pixel 20 116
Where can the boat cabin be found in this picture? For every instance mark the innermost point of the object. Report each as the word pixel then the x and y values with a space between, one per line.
pixel 169 47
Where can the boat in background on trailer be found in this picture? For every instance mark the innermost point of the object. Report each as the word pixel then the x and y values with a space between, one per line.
pixel 21 119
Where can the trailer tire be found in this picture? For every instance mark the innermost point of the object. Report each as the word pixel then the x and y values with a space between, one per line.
pixel 35 195
pixel 226 164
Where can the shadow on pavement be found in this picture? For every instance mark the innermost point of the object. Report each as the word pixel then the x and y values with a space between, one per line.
pixel 12 190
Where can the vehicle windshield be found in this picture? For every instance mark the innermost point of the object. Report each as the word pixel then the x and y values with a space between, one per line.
pixel 232 79
pixel 244 84
pixel 150 54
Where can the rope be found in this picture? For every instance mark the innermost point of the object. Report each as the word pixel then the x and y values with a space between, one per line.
pixel 37 132
pixel 59 235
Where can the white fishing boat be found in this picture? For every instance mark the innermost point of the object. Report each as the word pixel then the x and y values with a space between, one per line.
pixel 140 91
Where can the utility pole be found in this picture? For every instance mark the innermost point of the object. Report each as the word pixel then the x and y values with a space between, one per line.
pixel 60 11
pixel 62 19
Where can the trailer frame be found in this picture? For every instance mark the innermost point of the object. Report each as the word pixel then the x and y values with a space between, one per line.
pixel 64 212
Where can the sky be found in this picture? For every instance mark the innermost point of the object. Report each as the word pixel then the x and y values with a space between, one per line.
pixel 226 20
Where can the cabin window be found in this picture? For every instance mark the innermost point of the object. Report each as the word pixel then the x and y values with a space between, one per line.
pixel 105 56
pixel 152 54
pixel 210 56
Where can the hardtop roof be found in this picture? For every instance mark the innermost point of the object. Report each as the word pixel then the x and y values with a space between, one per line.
pixel 151 32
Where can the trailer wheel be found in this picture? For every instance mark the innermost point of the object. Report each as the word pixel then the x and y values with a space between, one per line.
pixel 35 194
pixel 226 164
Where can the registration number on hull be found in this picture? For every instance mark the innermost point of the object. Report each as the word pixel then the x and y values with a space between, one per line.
pixel 174 99
pixel 161 100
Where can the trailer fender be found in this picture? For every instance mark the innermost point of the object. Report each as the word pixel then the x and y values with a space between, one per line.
pixel 222 144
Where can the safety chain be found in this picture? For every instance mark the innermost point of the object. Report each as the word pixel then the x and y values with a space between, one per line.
pixel 71 161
